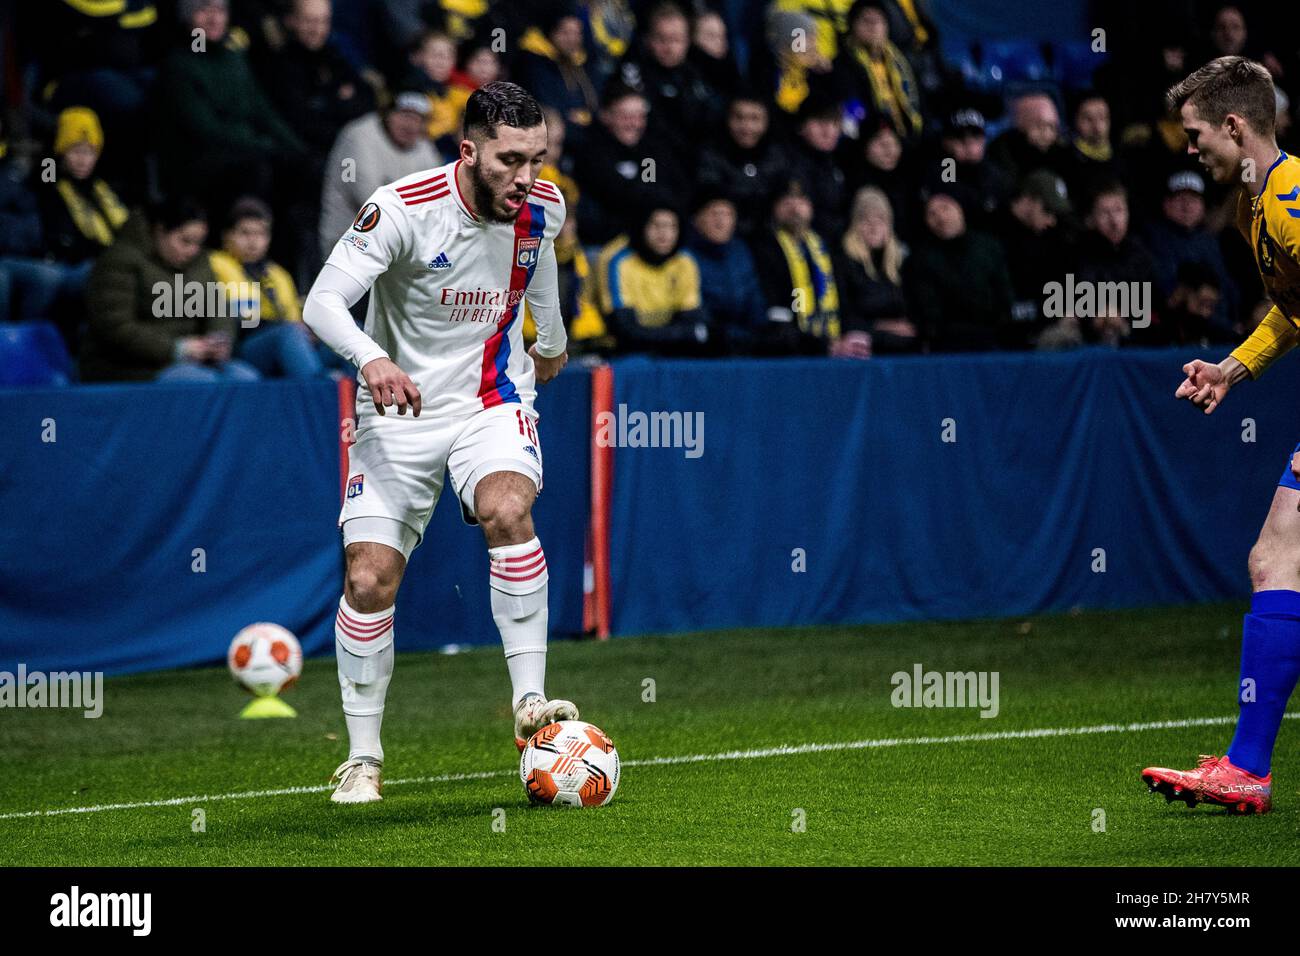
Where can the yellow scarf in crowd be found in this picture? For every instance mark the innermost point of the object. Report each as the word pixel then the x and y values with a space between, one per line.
pixel 813 278
pixel 99 222
pixel 893 87
pixel 913 17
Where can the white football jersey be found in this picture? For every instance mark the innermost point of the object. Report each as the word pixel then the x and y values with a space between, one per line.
pixel 448 289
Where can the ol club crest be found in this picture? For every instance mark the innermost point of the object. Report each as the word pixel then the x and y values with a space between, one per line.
pixel 526 251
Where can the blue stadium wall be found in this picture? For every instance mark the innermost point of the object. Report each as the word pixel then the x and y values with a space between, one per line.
pixel 944 487
pixel 1021 19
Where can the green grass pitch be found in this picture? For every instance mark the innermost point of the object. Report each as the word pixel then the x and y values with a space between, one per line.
pixel 1011 801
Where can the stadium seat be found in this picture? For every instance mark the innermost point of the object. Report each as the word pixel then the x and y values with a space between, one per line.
pixel 958 55
pixel 1074 63
pixel 32 354
pixel 1009 61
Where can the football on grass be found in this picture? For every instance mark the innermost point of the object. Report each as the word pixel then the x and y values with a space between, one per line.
pixel 265 658
pixel 570 764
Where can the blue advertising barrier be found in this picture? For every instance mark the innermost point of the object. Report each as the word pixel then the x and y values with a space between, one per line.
pixel 161 519
pixel 939 487
pixel 145 524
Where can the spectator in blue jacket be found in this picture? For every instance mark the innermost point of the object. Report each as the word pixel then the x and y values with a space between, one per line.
pixel 728 277
pixel 1179 236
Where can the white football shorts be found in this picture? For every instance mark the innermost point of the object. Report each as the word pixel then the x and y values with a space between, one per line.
pixel 398 464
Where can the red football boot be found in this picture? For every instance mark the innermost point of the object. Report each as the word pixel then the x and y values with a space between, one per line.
pixel 1215 780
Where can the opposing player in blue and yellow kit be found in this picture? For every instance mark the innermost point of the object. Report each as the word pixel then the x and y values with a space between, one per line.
pixel 1228 109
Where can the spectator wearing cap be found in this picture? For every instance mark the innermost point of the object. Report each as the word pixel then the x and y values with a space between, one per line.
pixel 964 140
pixel 1039 243
pixel 218 131
pixel 872 76
pixel 797 274
pixel 623 170
pixel 744 160
pixel 813 159
pixel 1178 235
pixel 956 279
pixel 102 56
pixel 870 274
pixel 272 336
pixel 728 277
pixel 373 150
pixel 553 65
pixel 1034 140
pixel 684 108
pixel 139 328
pixel 1109 252
pixel 648 290
pixel 80 212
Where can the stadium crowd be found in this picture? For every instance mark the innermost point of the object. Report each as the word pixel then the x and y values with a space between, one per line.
pixel 790 177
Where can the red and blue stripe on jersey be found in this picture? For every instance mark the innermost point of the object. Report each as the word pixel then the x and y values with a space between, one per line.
pixel 495 387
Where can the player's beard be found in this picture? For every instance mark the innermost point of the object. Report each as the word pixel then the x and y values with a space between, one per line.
pixel 485 199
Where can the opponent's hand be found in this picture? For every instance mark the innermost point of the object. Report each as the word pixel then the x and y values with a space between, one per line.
pixel 389 385
pixel 1205 385
pixel 547 368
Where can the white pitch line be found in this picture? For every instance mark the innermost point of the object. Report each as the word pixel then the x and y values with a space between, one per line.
pixel 783 751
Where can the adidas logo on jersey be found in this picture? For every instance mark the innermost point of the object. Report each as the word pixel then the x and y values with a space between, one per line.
pixel 440 261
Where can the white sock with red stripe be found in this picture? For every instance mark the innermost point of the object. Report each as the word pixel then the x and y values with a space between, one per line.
pixel 363 644
pixel 518 579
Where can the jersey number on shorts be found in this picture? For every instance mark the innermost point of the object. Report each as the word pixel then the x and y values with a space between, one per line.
pixel 526 427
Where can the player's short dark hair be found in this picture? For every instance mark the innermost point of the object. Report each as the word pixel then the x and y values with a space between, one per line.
pixel 501 103
pixel 1229 84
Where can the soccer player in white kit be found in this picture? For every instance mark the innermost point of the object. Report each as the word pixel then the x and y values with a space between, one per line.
pixel 449 255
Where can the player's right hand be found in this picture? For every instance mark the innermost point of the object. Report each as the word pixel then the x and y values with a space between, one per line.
pixel 1205 385
pixel 389 386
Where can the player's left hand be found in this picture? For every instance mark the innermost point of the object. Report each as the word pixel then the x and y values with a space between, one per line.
pixel 547 368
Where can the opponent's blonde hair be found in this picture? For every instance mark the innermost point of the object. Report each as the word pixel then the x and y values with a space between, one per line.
pixel 1229 84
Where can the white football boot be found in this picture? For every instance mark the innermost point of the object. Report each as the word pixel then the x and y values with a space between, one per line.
pixel 359 781
pixel 535 712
